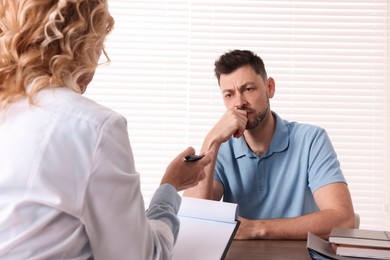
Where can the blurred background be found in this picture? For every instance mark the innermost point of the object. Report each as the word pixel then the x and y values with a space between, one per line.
pixel 330 61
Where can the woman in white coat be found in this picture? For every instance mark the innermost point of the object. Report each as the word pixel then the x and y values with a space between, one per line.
pixel 68 184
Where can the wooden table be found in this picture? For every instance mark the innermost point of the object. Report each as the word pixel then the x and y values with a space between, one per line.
pixel 267 249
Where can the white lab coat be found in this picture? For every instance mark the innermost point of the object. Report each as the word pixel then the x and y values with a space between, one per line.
pixel 69 188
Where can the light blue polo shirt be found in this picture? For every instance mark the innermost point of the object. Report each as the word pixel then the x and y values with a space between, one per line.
pixel 279 184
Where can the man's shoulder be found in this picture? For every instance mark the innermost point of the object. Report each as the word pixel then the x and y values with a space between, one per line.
pixel 233 147
pixel 306 135
pixel 303 132
pixel 303 127
pixel 292 125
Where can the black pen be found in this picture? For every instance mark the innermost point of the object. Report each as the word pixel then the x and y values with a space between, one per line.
pixel 192 158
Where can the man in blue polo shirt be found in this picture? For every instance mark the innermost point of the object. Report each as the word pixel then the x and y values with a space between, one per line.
pixel 284 176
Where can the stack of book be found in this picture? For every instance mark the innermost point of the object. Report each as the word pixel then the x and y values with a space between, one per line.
pixel 371 244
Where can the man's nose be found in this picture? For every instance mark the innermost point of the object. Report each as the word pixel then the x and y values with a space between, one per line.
pixel 240 102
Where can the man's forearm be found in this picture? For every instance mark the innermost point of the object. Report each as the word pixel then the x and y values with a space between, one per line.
pixel 319 223
pixel 205 188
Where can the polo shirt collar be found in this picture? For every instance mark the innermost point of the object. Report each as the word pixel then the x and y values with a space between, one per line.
pixel 279 143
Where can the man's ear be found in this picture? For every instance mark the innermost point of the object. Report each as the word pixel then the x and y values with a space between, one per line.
pixel 271 87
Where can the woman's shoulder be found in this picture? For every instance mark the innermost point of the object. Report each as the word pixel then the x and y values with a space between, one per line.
pixel 63 102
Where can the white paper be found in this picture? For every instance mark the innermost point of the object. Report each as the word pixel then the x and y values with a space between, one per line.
pixel 208 209
pixel 206 233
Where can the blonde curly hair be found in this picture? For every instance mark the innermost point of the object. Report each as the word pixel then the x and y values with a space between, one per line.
pixel 49 43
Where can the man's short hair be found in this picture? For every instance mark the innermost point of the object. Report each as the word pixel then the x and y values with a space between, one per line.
pixel 232 60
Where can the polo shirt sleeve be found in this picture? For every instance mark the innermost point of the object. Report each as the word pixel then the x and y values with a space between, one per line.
pixel 324 167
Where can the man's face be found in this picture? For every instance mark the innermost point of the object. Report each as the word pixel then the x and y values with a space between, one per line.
pixel 246 90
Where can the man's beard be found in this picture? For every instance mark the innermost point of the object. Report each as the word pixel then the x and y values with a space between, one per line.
pixel 259 118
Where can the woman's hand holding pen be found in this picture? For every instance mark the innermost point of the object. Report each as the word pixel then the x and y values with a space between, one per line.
pixel 184 174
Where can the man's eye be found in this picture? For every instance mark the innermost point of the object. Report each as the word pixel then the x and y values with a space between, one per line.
pixel 249 89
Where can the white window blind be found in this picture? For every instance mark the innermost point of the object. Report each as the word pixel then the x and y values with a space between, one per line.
pixel 330 61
